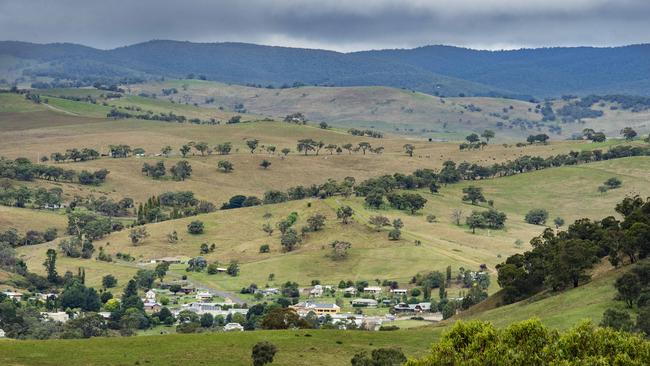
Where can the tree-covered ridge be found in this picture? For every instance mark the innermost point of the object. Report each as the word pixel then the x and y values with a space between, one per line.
pixel 442 70
pixel 562 260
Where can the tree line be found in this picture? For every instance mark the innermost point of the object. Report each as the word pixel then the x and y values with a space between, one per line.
pixel 24 170
pixel 561 260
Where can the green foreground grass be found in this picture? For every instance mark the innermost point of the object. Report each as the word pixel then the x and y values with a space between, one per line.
pixel 301 347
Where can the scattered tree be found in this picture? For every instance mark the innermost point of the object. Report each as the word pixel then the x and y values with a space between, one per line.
pixel 344 213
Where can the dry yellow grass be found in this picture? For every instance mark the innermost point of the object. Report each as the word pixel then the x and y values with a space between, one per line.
pixel 23 219
pixel 247 178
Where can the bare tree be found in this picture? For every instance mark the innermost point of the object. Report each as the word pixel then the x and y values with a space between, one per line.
pixel 457 215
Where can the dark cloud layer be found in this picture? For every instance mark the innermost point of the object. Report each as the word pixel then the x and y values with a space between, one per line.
pixel 336 24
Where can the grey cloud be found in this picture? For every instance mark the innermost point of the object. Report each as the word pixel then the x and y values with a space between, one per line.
pixel 340 25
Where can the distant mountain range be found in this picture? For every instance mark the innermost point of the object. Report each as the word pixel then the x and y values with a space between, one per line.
pixel 442 70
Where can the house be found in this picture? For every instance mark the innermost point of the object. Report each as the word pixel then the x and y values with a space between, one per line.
pixel 303 308
pixel 350 291
pixel 233 327
pixel 372 290
pixel 60 316
pixel 399 291
pixel 268 291
pixel 45 297
pixel 364 303
pixel 317 291
pixel 203 307
pixel 13 295
pixel 412 308
pixel 213 308
pixel 105 314
pixel 2 333
pixel 188 289
pixel 170 260
pixel 151 307
pixel 204 296
pixel 150 296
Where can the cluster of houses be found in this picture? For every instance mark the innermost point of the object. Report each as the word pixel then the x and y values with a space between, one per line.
pixel 19 296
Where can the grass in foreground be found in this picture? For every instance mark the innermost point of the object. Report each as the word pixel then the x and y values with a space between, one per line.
pixel 300 347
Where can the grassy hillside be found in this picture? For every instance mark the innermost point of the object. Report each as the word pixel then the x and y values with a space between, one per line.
pixel 394 110
pixel 23 219
pixel 237 233
pixel 312 347
pixel 564 309
pixel 34 134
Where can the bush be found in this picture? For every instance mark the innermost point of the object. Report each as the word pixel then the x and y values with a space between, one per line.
pixel 195 227
pixel 531 343
pixel 617 319
pixel 537 216
pixel 394 234
pixel 613 183
pixel 263 353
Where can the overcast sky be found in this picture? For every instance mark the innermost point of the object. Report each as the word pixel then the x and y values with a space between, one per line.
pixel 342 25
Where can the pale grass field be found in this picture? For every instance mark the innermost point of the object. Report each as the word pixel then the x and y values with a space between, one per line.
pixel 389 108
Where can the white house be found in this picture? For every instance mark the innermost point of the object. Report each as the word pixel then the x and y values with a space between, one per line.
pixel 399 291
pixel 317 291
pixel 2 333
pixel 202 307
pixel 233 327
pixel 13 295
pixel 268 291
pixel 350 291
pixel 372 290
pixel 413 308
pixel 150 296
pixel 60 316
pixel 204 296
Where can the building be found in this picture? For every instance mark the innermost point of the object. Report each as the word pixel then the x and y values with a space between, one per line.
pixel 188 289
pixel 204 296
pixel 151 306
pixel 303 308
pixel 412 308
pixel 317 291
pixel 203 307
pixel 399 291
pixel 233 327
pixel 350 291
pixel 2 333
pixel 364 303
pixel 150 296
pixel 268 291
pixel 60 316
pixel 45 297
pixel 213 308
pixel 170 260
pixel 13 295
pixel 372 290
